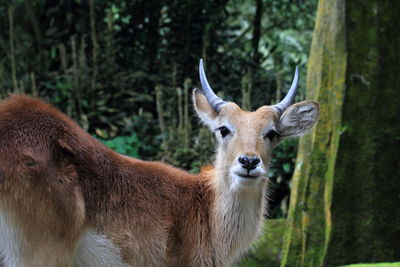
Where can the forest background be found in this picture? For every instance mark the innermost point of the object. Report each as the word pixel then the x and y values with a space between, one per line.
pixel 125 70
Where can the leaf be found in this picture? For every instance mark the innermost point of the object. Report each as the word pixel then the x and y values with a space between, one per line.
pixel 287 168
pixel 51 31
pixel 101 133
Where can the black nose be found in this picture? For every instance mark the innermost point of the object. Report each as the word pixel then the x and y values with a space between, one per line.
pixel 249 163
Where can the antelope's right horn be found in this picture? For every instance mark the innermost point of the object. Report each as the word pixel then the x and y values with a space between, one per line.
pixel 215 102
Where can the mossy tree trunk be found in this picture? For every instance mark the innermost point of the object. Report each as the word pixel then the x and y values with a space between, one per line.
pixel 345 204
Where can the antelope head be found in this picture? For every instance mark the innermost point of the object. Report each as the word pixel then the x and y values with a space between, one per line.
pixel 246 139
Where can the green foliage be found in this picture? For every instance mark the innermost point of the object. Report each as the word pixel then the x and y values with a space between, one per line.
pixel 280 175
pixel 267 252
pixel 127 145
pixel 101 61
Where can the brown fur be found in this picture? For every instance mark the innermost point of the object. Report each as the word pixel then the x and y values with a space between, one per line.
pixel 57 184
pixel 57 181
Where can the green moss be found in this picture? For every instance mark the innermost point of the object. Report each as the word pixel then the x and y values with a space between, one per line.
pixel 393 264
pixel 365 222
pixel 344 196
pixel 309 221
pixel 268 250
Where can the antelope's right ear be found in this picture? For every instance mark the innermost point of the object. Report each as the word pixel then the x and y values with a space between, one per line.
pixel 298 118
pixel 204 110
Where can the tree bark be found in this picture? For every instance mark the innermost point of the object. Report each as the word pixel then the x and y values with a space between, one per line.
pixel 346 190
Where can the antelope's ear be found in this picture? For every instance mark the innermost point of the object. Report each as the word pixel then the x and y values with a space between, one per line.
pixel 204 110
pixel 298 119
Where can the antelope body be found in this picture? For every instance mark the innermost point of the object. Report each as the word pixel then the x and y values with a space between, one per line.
pixel 67 200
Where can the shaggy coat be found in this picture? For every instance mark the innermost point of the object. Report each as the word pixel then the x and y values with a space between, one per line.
pixel 68 200
pixel 57 184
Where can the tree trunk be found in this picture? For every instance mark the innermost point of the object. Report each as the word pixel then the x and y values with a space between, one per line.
pixel 255 42
pixel 346 189
pixel 247 80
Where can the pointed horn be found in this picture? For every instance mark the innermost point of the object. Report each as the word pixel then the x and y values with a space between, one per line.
pixel 288 100
pixel 215 102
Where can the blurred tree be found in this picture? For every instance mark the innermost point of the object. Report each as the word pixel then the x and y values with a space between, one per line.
pixel 346 192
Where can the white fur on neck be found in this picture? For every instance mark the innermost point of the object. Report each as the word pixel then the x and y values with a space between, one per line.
pixel 237 219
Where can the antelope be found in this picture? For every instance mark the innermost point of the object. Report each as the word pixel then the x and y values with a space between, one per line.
pixel 67 200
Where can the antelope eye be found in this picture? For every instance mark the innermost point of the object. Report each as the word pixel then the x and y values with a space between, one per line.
pixel 271 135
pixel 224 131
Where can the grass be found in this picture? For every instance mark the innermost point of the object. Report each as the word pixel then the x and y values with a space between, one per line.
pixel 387 264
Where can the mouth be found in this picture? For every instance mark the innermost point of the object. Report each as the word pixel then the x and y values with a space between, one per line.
pixel 248 175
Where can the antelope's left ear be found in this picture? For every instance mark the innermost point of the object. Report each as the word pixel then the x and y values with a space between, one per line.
pixel 298 119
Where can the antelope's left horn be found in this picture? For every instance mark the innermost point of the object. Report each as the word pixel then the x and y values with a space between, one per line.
pixel 288 100
pixel 215 102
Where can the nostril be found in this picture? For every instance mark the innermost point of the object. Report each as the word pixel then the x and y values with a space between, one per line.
pixel 243 160
pixel 254 162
